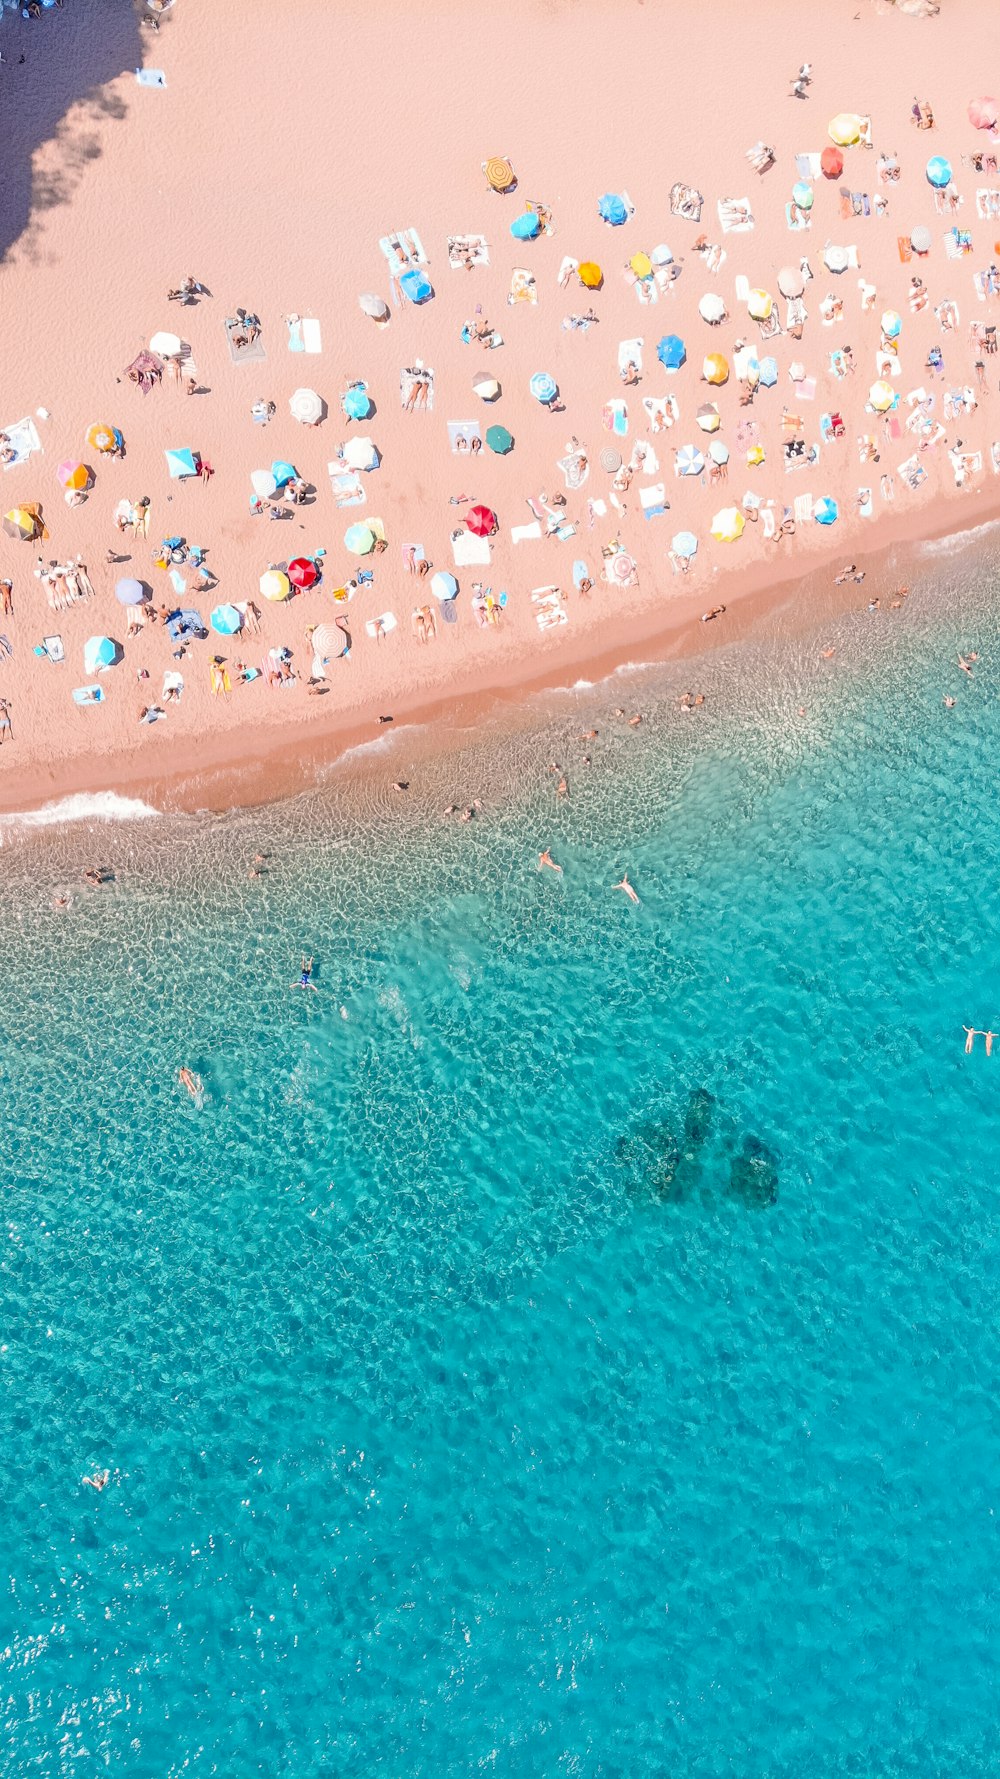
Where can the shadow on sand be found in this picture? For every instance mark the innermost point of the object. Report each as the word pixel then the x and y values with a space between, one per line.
pixel 69 55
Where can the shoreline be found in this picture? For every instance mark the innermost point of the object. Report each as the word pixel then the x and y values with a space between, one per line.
pixel 245 769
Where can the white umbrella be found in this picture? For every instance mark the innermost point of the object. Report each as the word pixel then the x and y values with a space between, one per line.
pixel 166 345
pixel 718 452
pixel 487 388
pixel 307 406
pixel 712 308
pixel 791 282
pixel 360 454
pixel 375 306
pixel 797 372
pixel 835 259
pixel 263 483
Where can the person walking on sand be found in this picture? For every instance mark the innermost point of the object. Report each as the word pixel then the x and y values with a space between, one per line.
pixel 545 858
pixel 7 590
pixel 627 887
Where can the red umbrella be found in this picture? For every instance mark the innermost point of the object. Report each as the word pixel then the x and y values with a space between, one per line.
pixel 831 163
pixel 303 572
pixel 983 114
pixel 481 521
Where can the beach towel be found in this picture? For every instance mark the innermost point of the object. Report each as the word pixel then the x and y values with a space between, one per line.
pixel 644 458
pixel 796 313
pixel 312 339
pixel 136 619
pixel 88 695
pixel 646 291
pixel 987 204
pixel 566 270
pixel 22 438
pixel 575 469
pixel 402 252
pixel 151 77
pixel 869 295
pixel 522 534
pixel 803 508
pixel 417 375
pixel 767 520
pixel 294 326
pixel 348 487
pixel 866 508
pixel 808 166
pixel 912 472
pixel 653 499
pixel 466 250
pixel 735 215
pixel 995 457
pixel 630 352
pixel 470 551
pixel 686 201
pixel 797 219
pixel 522 286
pixel 251 353
pixel 661 411
pixel 383 624
pixel 52 646
pixel 461 434
pixel 614 415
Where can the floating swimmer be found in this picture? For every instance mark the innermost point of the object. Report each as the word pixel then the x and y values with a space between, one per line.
pixel 98 1481
pixel 192 1082
pixel 305 977
pixel 627 887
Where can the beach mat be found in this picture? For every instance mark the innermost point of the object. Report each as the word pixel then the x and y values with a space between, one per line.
pixel 251 354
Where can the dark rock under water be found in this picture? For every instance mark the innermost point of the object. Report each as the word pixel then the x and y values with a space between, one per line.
pixel 753 1176
pixel 656 1162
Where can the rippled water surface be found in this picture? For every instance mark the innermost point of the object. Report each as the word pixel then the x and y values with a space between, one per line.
pixel 567 1341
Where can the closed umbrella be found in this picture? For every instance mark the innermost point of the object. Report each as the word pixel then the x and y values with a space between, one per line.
pixel 727 525
pixel 831 163
pixel 881 396
pixel 759 304
pixel 101 437
pixel 305 405
pixel 613 209
pixel 791 282
pixel 487 388
pixel 671 352
pixel 826 511
pixel 802 195
pixel 499 440
pixel 180 464
pixel 275 585
pixel 718 452
pixel 100 652
pixel 707 417
pixel 711 308
pixel 590 275
pixel 303 573
pixel 360 453
pixel 129 591
pixel 226 620
pixel 356 402
pixel 525 227
pixel 715 368
pixel 74 475
pixel 443 586
pixel 689 461
pixel 685 544
pixel 359 539
pixel 983 114
pixel 920 239
pixel 499 173
pixel 939 171
pixel 543 387
pixel 283 472
pixel 844 129
pixel 263 483
pixel 19 522
pixel 375 306
pixel 481 521
pixel 891 324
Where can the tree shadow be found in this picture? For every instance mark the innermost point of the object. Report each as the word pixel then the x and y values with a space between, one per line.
pixel 69 56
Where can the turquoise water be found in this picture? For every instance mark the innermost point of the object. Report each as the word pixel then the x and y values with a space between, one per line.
pixel 566 1343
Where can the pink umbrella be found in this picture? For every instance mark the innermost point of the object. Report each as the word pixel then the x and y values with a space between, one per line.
pixel 481 521
pixel 622 566
pixel 983 114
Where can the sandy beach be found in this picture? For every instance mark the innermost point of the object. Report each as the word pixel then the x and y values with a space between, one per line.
pixel 274 191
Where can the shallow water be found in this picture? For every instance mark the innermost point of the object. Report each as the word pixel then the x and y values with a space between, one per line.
pixel 566 1341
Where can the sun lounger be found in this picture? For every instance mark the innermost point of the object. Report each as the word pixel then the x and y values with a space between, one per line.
pixel 735 215
pixel 523 534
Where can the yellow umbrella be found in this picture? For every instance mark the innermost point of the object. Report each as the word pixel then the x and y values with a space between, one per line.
pixel 727 525
pixel 755 455
pixel 844 129
pixel 590 275
pixel 760 303
pixel 20 522
pixel 708 418
pixel 274 584
pixel 101 437
pixel 715 368
pixel 499 173
pixel 641 265
pixel 881 396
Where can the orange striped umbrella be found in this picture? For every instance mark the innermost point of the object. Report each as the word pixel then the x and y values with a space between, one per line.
pixel 499 173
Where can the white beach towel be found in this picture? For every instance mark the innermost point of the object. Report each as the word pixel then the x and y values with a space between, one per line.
pixel 466 249
pixel 23 439
pixel 866 508
pixel 348 488
pixel 459 430
pixel 386 621
pixel 735 215
pixel 522 287
pixel 470 551
pixel 312 340
pixel 803 508
pixel 653 499
pixel 630 352
pixel 522 534
pixel 742 284
pixel 566 270
pixel 808 166
pixel 661 411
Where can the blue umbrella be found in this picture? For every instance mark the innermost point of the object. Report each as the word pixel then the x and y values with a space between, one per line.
pixel 768 372
pixel 686 544
pixel 690 461
pixel 181 463
pixel 226 620
pixel 802 195
pixel 415 286
pixel 543 387
pixel 283 472
pixel 98 652
pixel 613 209
pixel 526 227
pixel 826 511
pixel 671 352
pixel 357 405
pixel 939 171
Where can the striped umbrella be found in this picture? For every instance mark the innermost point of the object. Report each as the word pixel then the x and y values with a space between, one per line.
pixel 499 173
pixel 543 387
pixel 303 572
pixel 685 544
pixel 481 521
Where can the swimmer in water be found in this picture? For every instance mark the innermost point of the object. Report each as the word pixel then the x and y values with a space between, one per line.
pixel 98 1481
pixel 970 1032
pixel 949 703
pixel 189 1079
pixel 305 978
pixel 989 1036
pixel 627 887
pixel 545 858
pixel 965 663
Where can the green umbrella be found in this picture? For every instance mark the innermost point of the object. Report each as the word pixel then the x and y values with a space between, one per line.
pixel 499 439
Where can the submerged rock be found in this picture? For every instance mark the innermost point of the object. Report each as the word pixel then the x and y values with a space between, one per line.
pixel 753 1176
pixel 698 1118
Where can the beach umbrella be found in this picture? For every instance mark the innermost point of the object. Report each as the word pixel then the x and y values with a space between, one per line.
pixel 543 387
pixel 415 285
pixel 920 239
pixel 939 171
pixel 685 544
pixel 689 461
pixel 727 525
pixel 263 483
pixel 226 620
pixel 283 472
pixel 711 308
pixel 718 452
pixel 274 584
pixel 499 173
pixel 767 374
pixel 303 573
pixel 443 586
pixel 844 129
pixel 707 417
pixel 590 275
pixel 622 567
pixel 881 396
pixel 610 459
pixel 641 265
pixel 359 539
pixel 487 388
pixel 797 372
pixel 181 463
pixel 375 306
pixel 755 456
pixel 306 405
pixel 791 282
pixel 167 345
pixel 525 227
pixel 20 523
pixel 328 640
pixel 481 521
pixel 671 352
pixel 499 440
pixel 360 453
pixel 613 209
pixel 826 511
pixel 99 652
pixel 356 402
pixel 891 324
pixel 802 195
pixel 101 437
pixel 129 591
pixel 74 475
pixel 835 258
pixel 831 163
pixel 983 114
pixel 759 304
pixel 715 368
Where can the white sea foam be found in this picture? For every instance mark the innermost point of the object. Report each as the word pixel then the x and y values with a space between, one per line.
pixel 957 540
pixel 83 806
pixel 635 667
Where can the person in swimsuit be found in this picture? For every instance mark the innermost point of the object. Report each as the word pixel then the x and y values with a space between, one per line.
pixel 189 1079
pixel 305 978
pixel 627 887
pixel 545 858
pixel 98 1481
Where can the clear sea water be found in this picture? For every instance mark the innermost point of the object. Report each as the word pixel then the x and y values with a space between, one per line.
pixel 581 1358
